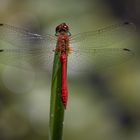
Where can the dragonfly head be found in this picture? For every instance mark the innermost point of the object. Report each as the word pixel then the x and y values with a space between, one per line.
pixel 62 28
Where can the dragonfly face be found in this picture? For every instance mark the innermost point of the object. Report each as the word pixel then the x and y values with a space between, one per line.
pixel 62 29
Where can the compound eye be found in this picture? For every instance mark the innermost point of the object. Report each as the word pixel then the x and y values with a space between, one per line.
pixel 58 28
pixel 66 27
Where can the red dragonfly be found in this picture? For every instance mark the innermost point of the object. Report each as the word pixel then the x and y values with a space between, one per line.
pixel 94 47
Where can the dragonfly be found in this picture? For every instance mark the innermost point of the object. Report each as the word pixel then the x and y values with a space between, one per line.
pixel 22 48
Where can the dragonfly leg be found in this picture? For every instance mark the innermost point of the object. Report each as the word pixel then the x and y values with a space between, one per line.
pixel 68 50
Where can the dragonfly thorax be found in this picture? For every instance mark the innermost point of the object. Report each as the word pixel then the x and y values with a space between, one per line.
pixel 62 43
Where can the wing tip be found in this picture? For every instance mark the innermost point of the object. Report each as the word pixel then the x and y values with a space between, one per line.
pixel 129 23
pixel 128 50
pixel 1 50
pixel 1 24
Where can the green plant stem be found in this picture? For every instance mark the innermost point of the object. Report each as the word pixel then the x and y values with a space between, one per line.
pixel 56 106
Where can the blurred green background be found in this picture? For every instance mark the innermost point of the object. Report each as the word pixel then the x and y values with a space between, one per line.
pixel 103 105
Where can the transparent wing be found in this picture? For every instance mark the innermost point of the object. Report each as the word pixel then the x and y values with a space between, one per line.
pixel 19 47
pixel 101 48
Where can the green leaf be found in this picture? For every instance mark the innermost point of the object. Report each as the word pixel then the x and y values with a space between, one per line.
pixel 56 105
